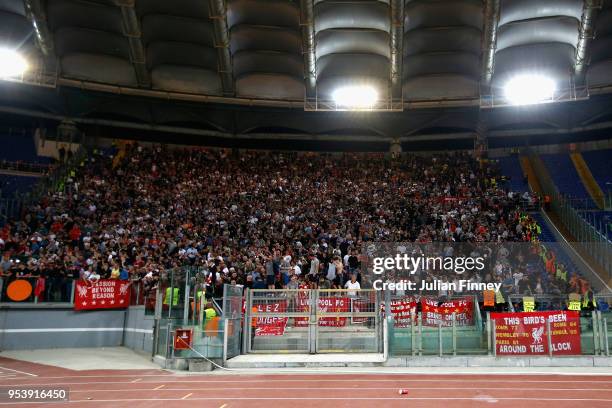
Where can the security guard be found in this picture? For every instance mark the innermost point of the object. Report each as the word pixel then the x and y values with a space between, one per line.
pixel 171 293
pixel 588 300
pixel 209 312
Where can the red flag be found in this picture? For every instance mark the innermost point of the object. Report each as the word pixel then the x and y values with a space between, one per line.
pixel 40 286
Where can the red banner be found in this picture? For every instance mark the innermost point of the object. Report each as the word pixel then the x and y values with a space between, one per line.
pixel 334 305
pixel 435 313
pixel 103 294
pixel 525 333
pixel 326 305
pixel 401 310
pixel 271 326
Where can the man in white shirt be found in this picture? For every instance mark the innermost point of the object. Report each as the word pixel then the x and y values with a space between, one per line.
pixel 314 265
pixel 352 285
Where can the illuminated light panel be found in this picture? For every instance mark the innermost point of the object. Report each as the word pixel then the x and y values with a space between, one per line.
pixel 12 64
pixel 355 97
pixel 529 89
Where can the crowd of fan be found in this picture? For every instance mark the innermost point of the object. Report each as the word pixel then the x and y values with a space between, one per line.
pixel 261 220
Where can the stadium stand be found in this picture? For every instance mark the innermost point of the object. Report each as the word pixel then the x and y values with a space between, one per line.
pixel 511 167
pixel 598 162
pixel 601 167
pixel 20 148
pixel 256 218
pixel 547 236
pixel 10 185
pixel 567 180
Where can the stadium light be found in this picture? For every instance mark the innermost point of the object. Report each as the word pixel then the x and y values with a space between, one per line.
pixel 355 96
pixel 12 64
pixel 529 89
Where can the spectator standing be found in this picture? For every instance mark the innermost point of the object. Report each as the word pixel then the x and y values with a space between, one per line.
pixel 352 286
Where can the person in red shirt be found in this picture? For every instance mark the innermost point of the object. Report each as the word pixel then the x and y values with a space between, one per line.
pixel 57 226
pixel 550 264
pixel 75 235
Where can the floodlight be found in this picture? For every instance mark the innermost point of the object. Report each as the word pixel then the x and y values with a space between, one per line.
pixel 355 96
pixel 12 64
pixel 529 89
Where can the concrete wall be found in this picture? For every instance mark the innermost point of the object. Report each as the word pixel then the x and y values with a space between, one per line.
pixel 35 328
pixel 138 332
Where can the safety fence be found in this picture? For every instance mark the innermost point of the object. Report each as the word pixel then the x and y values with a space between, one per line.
pixel 549 333
pixel 312 321
pixel 422 325
pixel 176 340
pixel 190 325
pixel 284 322
pixel 370 321
pixel 233 315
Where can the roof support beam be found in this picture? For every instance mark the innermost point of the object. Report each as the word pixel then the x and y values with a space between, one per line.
pixel 308 47
pixel 585 35
pixel 131 29
pixel 36 13
pixel 489 42
pixel 396 45
pixel 218 13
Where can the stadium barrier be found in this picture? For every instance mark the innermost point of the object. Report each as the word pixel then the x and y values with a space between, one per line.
pixel 51 292
pixel 285 321
pixel 183 329
pixel 349 321
pixel 430 326
pixel 233 315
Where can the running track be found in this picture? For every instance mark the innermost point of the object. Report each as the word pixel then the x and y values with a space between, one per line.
pixel 159 388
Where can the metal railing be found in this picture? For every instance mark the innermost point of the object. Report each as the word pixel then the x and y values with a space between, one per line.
pixel 25 167
pixel 233 315
pixel 587 236
pixel 53 181
pixel 285 320
pixel 217 337
pixel 206 340
pixel 602 224
pixel 440 339
pixel 580 203
pixel 418 339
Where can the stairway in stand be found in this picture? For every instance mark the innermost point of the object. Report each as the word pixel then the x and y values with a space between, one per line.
pixel 589 182
pixel 533 181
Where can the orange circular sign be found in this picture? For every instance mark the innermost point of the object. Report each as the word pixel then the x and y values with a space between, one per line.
pixel 19 290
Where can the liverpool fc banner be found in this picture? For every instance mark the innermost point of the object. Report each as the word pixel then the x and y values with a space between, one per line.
pixel 435 313
pixel 103 294
pixel 526 333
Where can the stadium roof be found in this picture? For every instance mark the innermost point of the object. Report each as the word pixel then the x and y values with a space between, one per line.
pixel 444 55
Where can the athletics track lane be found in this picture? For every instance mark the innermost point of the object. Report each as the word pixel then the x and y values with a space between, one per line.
pixel 159 388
